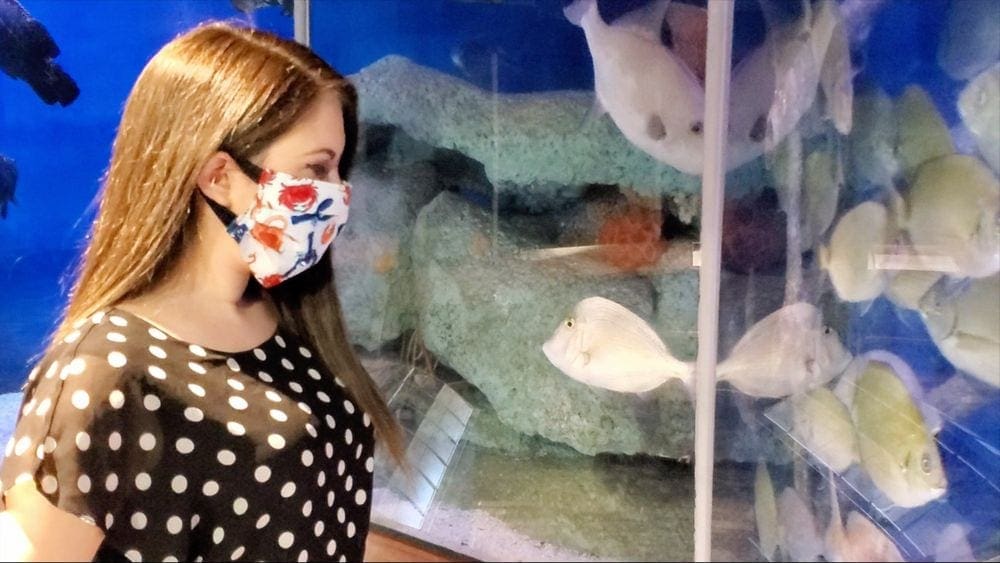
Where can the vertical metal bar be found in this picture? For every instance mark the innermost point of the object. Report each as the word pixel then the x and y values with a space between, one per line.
pixel 300 15
pixel 720 31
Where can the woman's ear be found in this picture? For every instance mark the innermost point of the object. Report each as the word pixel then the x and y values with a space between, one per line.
pixel 215 178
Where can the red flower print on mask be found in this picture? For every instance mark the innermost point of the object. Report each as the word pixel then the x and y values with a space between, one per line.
pixel 266 176
pixel 298 197
pixel 328 233
pixel 269 236
pixel 272 280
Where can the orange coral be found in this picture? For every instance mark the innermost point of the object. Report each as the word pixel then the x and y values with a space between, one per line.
pixel 631 238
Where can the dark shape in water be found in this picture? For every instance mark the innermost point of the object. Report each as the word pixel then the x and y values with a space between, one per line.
pixel 26 53
pixel 753 233
pixel 8 179
pixel 248 6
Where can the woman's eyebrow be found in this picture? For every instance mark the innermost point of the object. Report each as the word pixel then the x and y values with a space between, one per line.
pixel 332 154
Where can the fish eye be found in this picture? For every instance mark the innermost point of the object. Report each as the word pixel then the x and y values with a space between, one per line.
pixel 569 323
pixel 827 330
pixel 925 464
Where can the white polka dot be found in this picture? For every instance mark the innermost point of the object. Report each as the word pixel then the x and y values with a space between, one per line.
pixel 235 384
pixel 233 364
pixel 72 337
pixel 116 337
pixel 43 407
pixel 40 451
pixel 366 419
pixel 329 450
pixel 238 403
pixel 349 436
pixel 116 399
pixel 259 354
pixel 53 367
pixel 217 535
pixel 157 351
pixel 157 372
pixel 77 366
pixel 339 382
pixel 323 397
pixel 370 464
pixel 262 521
pixel 349 407
pixel 184 445
pixel 109 520
pixel 179 484
pixel 331 548
pixel 295 386
pixel 288 489
pixel 237 553
pixel 49 484
pixel 304 407
pixel 303 556
pixel 330 421
pixel 175 525
pixel 147 442
pixel 341 515
pixel 157 333
pixel 265 377
pixel 272 396
pixel 133 555
pixel 321 478
pixel 80 399
pixel 262 474
pixel 97 317
pixel 235 428
pixel 117 321
pixel 82 441
pixel 318 528
pixel 194 414
pixel 314 374
pixel 151 402
pixel 196 389
pixel 280 416
pixel 351 529
pixel 115 441
pixel 116 359
pixel 279 340
pixel 307 458
pixel 240 506
pixel 311 430
pixel 197 368
pixel 30 406
pixel 287 364
pixel 210 488
pixel 197 350
pixel 276 441
pixel 138 520
pixel 143 481
pixel 226 457
pixel 349 483
pixel 194 521
pixel 307 508
pixel 360 497
pixel 341 467
pixel 111 482
pixel 359 451
pixel 50 444
pixel 286 539
pixel 305 352
pixel 170 559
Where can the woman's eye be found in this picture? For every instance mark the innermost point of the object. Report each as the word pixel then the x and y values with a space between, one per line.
pixel 320 170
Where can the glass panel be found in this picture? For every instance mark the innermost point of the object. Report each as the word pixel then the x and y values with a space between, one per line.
pixel 492 206
pixel 860 323
pixel 58 115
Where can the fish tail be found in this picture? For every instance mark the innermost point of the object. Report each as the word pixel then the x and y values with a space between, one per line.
pixel 578 9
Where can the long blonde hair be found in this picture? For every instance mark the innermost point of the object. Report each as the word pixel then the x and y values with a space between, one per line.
pixel 216 85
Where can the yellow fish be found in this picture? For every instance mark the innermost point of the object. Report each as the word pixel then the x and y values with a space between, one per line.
pixel 765 510
pixel 824 427
pixel 897 450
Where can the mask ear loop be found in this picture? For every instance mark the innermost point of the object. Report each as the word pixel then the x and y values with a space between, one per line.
pixel 250 169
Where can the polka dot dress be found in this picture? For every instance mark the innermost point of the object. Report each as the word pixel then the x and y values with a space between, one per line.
pixel 178 452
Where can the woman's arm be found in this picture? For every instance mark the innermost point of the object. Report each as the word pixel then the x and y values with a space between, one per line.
pixel 31 529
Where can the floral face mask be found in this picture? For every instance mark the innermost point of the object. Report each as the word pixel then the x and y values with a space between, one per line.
pixel 290 224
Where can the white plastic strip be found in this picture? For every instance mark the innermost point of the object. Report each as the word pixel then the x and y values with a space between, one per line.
pixel 300 14
pixel 720 32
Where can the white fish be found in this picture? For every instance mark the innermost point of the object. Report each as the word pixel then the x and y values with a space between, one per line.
pixel 923 133
pixel 872 144
pixel 765 511
pixel 836 77
pixel 979 106
pixel 966 327
pixel 786 352
pixel 860 541
pixel 823 180
pixel 952 211
pixel 847 256
pixel 604 344
pixel 799 533
pixel 823 425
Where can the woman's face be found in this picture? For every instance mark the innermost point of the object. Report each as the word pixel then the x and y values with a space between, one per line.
pixel 310 149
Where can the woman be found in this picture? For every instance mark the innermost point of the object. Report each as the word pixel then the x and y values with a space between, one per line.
pixel 200 399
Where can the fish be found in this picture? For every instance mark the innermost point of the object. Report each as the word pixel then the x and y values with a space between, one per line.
pixel 897 450
pixel 8 182
pixel 799 534
pixel 604 344
pixel 860 541
pixel 953 545
pixel 846 258
pixel 964 323
pixel 872 143
pixel 822 423
pixel 908 287
pixel 979 108
pixel 686 28
pixel 765 510
pixel 249 6
pixel 922 132
pixel 26 53
pixel 823 180
pixel 952 210
pixel 836 77
pixel 787 352
pixel 969 42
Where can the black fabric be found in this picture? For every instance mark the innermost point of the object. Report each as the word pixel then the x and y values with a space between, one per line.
pixel 181 453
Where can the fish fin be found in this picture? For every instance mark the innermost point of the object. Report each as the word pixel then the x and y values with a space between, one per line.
pixel 593 113
pixel 647 21
pixel 578 9
pixel 897 207
pixel 824 257
pixel 865 307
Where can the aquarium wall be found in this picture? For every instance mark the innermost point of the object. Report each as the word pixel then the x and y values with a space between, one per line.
pixel 522 266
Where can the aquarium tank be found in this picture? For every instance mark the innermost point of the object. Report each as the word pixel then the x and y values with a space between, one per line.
pixel 524 272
